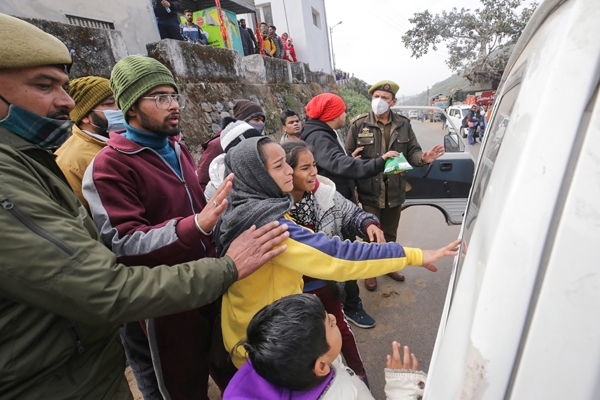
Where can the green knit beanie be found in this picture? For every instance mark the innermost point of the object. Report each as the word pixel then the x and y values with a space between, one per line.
pixel 134 76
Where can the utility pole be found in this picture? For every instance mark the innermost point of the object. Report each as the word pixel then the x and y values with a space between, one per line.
pixel 427 101
pixel 331 39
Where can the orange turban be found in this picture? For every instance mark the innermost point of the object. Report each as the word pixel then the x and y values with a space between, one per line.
pixel 325 107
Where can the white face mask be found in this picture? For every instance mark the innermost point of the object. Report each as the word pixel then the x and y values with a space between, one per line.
pixel 379 106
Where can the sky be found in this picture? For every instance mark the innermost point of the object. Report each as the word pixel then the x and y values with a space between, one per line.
pixel 368 42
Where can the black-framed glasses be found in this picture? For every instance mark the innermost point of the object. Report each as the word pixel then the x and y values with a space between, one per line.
pixel 163 101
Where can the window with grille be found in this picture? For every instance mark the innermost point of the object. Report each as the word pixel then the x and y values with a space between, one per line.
pixel 89 22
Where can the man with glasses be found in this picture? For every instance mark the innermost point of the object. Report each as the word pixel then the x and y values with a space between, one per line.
pixel 63 294
pixel 150 210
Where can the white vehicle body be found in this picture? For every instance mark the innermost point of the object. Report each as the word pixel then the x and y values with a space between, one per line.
pixel 413 114
pixel 522 315
pixel 456 114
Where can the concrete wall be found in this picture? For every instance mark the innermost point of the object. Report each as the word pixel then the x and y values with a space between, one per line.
pixel 133 18
pixel 96 50
pixel 211 88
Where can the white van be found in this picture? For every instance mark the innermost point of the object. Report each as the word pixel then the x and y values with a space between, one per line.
pixel 522 314
pixel 456 114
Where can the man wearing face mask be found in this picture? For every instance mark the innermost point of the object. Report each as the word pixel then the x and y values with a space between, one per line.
pixel 377 132
pixel 63 294
pixel 95 115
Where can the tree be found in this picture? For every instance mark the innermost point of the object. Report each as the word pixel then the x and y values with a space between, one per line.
pixel 479 42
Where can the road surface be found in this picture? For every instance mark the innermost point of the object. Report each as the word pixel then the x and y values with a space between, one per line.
pixel 409 311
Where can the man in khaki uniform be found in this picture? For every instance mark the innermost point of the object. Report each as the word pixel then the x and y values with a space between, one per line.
pixel 63 295
pixel 376 133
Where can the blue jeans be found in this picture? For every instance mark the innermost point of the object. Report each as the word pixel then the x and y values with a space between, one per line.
pixel 471 134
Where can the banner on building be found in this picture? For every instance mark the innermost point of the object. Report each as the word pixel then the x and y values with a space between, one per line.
pixel 208 20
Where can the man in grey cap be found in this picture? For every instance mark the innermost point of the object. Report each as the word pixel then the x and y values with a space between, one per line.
pixel 62 292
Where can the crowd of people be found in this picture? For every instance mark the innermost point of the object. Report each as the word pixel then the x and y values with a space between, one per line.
pixel 112 249
pixel 341 75
pixel 269 43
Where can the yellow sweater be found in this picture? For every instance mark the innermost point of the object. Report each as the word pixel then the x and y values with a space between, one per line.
pixel 308 253
pixel 74 156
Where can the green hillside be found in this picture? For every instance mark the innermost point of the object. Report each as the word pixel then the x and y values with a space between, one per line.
pixel 445 86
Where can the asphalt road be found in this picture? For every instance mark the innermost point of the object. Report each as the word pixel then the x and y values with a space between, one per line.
pixel 409 311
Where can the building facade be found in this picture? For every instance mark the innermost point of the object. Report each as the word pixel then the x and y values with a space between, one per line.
pixel 305 21
pixel 133 18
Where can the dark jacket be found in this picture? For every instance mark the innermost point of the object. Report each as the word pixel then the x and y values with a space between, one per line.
pixel 332 161
pixel 278 45
pixel 161 12
pixel 247 41
pixel 62 292
pixel 210 150
pixel 365 132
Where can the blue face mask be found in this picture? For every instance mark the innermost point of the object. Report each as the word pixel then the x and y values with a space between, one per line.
pixel 115 118
pixel 43 131
pixel 259 126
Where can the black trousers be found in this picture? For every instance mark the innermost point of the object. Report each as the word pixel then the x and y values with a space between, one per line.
pixel 169 28
pixel 352 295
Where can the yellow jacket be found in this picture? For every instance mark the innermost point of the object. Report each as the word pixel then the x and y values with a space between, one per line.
pixel 270 45
pixel 308 253
pixel 74 156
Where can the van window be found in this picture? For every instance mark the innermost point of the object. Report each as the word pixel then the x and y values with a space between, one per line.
pixel 495 132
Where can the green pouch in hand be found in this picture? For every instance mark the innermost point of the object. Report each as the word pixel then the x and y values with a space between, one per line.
pixel 396 165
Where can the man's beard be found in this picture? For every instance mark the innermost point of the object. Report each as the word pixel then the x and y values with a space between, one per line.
pixel 100 124
pixel 63 112
pixel 163 130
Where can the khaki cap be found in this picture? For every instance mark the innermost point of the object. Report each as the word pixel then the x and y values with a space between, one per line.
pixel 23 45
pixel 386 86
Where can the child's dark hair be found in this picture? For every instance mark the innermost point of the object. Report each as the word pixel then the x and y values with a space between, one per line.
pixel 261 153
pixel 285 339
pixel 293 149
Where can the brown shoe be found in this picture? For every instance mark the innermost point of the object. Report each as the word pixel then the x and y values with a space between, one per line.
pixel 371 284
pixel 397 276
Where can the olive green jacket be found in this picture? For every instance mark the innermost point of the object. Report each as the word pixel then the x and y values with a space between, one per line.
pixel 62 293
pixel 365 132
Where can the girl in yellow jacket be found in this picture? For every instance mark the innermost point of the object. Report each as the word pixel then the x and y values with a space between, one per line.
pixel 261 194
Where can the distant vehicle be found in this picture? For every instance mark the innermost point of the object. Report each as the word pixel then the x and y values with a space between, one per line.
pixel 522 312
pixel 456 114
pixel 413 114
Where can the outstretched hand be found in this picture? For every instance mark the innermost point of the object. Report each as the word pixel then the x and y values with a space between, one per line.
pixel 390 154
pixel 431 256
pixel 374 232
pixel 254 247
pixel 433 154
pixel 395 362
pixel 356 152
pixel 207 218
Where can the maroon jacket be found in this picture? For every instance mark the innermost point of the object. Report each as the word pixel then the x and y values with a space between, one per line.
pixel 210 150
pixel 145 214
